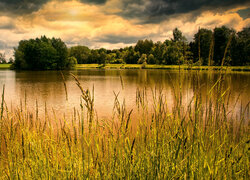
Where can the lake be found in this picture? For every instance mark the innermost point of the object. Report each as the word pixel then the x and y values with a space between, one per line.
pixel 27 87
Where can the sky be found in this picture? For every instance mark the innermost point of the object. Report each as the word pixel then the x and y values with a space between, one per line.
pixel 114 23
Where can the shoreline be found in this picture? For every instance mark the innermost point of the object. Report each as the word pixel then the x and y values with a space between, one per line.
pixel 149 66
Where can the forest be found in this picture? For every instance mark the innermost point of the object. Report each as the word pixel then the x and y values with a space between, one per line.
pixel 207 48
pixel 220 46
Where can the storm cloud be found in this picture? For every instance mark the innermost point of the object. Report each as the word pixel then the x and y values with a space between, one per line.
pixel 94 1
pixel 154 11
pixel 21 6
pixel 114 23
pixel 114 39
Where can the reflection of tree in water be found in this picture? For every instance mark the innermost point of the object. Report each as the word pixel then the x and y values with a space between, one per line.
pixel 43 87
pixel 47 86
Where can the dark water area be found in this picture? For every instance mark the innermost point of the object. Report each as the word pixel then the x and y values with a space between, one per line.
pixel 27 87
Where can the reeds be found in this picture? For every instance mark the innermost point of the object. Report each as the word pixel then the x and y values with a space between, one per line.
pixel 202 140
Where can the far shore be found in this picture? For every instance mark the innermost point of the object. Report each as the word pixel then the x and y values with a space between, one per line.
pixel 151 66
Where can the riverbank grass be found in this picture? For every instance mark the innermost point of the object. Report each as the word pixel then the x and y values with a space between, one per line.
pixel 151 66
pixel 5 66
pixel 154 66
pixel 195 141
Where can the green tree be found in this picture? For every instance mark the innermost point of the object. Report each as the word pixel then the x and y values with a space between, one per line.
pixel 130 55
pixel 202 44
pixel 174 54
pixel 221 39
pixel 180 41
pixel 151 59
pixel 240 48
pixel 144 47
pixel 102 58
pixel 41 54
pixel 81 53
pixel 177 36
pixel 71 63
pixel 158 51
pixel 143 59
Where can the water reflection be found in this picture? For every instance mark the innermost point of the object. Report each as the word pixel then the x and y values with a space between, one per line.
pixel 47 86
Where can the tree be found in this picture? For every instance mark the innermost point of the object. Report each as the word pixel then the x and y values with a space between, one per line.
pixel 240 48
pixel 144 47
pixel 174 54
pixel 202 42
pixel 102 58
pixel 158 51
pixel 72 62
pixel 131 56
pixel 143 59
pixel 221 38
pixel 11 60
pixel 177 36
pixel 180 41
pixel 81 53
pixel 41 54
pixel 151 59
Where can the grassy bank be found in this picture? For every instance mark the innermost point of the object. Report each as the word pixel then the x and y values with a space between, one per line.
pixel 5 66
pixel 149 66
pixel 174 67
pixel 198 141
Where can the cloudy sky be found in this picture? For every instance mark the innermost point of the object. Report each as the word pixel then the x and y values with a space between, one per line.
pixel 114 23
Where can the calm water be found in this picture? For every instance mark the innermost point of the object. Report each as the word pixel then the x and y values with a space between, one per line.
pixel 47 86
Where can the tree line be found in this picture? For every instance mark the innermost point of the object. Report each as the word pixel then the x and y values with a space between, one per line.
pixel 209 47
pixel 220 46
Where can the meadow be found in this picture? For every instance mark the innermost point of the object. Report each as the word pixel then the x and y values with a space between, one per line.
pixel 195 141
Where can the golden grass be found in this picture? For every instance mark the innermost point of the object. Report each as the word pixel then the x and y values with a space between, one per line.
pixel 187 142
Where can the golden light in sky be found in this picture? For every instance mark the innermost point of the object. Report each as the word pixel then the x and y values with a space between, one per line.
pixel 112 23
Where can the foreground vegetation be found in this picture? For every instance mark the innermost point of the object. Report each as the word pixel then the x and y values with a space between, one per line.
pixel 204 139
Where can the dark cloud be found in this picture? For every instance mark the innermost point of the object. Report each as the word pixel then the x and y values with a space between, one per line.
pixel 169 7
pixel 244 13
pixel 21 6
pixel 154 11
pixel 94 1
pixel 114 39
pixel 7 26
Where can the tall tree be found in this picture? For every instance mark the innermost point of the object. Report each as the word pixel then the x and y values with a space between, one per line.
pixel 221 37
pixel 180 41
pixel 202 41
pixel 177 36
pixel 240 48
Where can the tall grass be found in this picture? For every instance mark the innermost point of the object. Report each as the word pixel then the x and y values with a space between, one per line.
pixel 201 140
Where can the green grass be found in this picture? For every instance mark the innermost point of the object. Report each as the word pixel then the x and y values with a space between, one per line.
pixel 187 142
pixel 149 66
pixel 5 66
